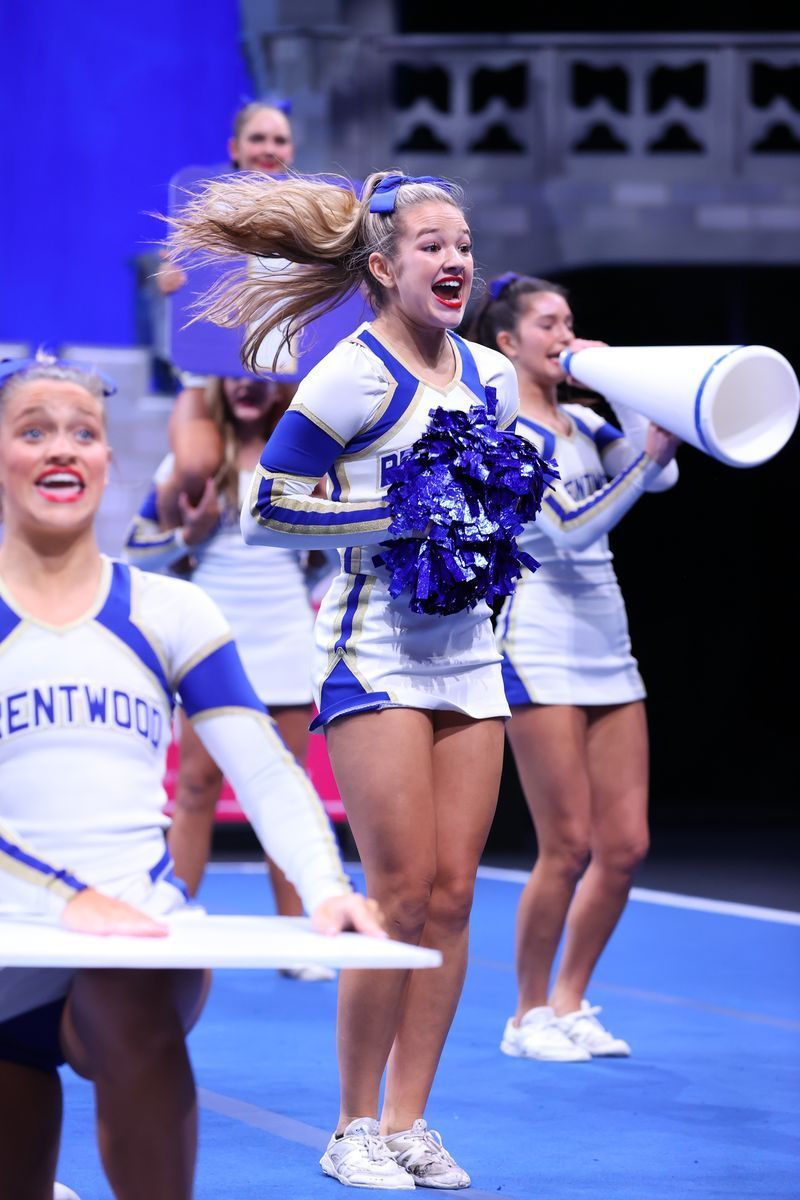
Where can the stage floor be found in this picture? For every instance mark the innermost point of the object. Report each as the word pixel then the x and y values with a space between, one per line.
pixel 705 990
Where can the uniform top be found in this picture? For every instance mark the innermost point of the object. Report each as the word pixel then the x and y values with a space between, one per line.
pixel 602 474
pixel 356 414
pixel 85 713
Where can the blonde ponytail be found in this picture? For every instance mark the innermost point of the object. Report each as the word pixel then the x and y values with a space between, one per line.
pixel 320 226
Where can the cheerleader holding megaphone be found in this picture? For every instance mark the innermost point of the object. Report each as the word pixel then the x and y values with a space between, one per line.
pixel 578 730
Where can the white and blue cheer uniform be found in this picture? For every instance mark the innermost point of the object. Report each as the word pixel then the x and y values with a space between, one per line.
pixel 85 714
pixel 564 632
pixel 355 415
pixel 261 592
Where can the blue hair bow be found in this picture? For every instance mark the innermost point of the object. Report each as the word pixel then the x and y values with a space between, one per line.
pixel 384 196
pixel 13 366
pixel 499 285
pixel 283 103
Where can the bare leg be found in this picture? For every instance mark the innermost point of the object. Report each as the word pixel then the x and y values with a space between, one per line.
pixel 198 789
pixel 125 1030
pixel 549 745
pixel 467 760
pixel 424 883
pixel 292 722
pixel 390 809
pixel 30 1128
pixel 618 765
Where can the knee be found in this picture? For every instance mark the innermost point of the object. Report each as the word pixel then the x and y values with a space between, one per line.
pixel 624 856
pixel 568 856
pixel 451 903
pixel 198 786
pixel 406 904
pixel 120 1029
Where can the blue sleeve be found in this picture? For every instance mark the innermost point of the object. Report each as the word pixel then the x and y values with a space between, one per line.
pixel 218 681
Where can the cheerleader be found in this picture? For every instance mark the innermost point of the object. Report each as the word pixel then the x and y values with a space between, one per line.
pixel 578 733
pixel 412 703
pixel 261 140
pixel 263 595
pixel 94 654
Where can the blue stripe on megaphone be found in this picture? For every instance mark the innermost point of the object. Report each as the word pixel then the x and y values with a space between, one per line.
pixel 698 398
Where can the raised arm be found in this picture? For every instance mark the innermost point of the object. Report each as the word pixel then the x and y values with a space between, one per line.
pixel 575 524
pixel 635 427
pixel 153 548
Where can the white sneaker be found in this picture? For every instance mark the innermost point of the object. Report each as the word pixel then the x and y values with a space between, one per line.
pixel 360 1158
pixel 585 1031
pixel 62 1192
pixel 310 973
pixel 539 1035
pixel 421 1152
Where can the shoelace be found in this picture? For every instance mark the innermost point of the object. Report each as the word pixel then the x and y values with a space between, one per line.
pixel 376 1148
pixel 589 1016
pixel 426 1150
pixel 550 1029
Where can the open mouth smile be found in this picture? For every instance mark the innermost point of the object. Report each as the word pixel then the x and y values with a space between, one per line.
pixel 61 486
pixel 448 291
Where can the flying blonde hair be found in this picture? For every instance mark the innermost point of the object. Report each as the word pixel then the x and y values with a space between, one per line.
pixel 322 227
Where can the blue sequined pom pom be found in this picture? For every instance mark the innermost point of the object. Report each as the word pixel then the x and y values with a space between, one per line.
pixel 458 501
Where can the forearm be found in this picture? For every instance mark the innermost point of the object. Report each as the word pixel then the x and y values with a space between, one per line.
pixel 196 443
pixel 635 426
pixel 282 511
pixel 152 548
pixel 576 524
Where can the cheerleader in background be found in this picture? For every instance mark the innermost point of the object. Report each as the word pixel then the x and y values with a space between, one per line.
pixel 261 141
pixel 262 594
pixel 216 430
pixel 94 654
pixel 412 703
pixel 578 730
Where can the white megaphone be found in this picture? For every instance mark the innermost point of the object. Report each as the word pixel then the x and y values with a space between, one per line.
pixel 739 404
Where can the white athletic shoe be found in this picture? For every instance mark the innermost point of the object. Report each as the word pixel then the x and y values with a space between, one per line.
pixel 311 973
pixel 585 1031
pixel 421 1152
pixel 540 1035
pixel 360 1158
pixel 62 1192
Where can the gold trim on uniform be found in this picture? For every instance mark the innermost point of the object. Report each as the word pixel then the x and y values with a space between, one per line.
pixel 148 635
pixel 295 503
pixel 505 639
pixel 200 654
pixel 21 870
pixel 315 420
pixel 144 539
pixel 400 423
pixel 134 657
pixel 95 607
pixel 575 522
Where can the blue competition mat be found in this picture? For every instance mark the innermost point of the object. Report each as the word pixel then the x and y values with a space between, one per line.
pixel 707 1106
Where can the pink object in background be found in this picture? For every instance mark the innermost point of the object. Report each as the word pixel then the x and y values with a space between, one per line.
pixel 317 765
